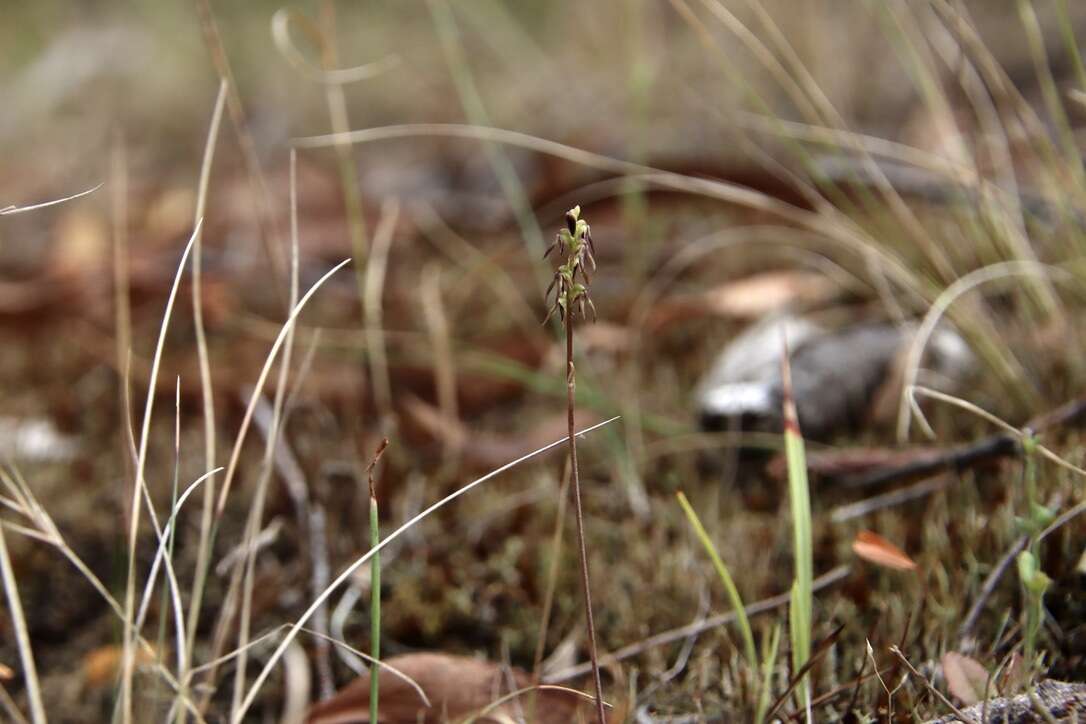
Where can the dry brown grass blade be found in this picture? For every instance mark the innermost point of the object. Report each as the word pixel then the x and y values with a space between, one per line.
pixel 280 29
pixel 258 183
pixel 819 652
pixel 923 679
pixel 372 285
pixel 965 678
pixel 203 552
pixel 12 209
pixel 10 708
pixel 256 510
pixel 47 532
pixel 138 489
pixel 262 378
pixel 22 634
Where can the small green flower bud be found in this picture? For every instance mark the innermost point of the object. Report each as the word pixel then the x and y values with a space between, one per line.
pixel 1032 577
pixel 571 218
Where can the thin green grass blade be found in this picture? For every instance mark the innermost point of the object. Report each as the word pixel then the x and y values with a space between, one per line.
pixel 799 499
pixel 725 577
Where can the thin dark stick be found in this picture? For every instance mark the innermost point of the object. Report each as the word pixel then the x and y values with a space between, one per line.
pixel 269 231
pixel 552 584
pixel 679 634
pixel 836 692
pixel 860 679
pixel 924 680
pixel 570 388
pixel 816 656
pixel 318 551
pixel 965 631
pixel 897 496
pixel 958 458
pixel 966 456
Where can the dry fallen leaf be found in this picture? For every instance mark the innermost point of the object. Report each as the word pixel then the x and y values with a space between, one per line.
pixel 101 665
pixel 604 337
pixel 965 678
pixel 458 687
pixel 749 298
pixel 760 294
pixel 1015 675
pixel 82 242
pixel 170 214
pixel 873 548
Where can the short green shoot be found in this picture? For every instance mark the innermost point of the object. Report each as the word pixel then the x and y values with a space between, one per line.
pixel 736 600
pixel 375 584
pixel 769 663
pixel 1034 581
pixel 799 497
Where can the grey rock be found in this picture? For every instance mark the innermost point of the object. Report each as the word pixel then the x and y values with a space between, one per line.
pixel 835 374
pixel 1052 701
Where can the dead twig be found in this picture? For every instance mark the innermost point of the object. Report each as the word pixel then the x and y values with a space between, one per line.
pixel 683 632
pixel 938 694
pixel 971 455
pixel 965 631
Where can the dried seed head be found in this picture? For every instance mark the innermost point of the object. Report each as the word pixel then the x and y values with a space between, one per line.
pixel 369 471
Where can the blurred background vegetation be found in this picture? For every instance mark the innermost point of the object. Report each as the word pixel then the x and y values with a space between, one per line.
pixel 763 96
